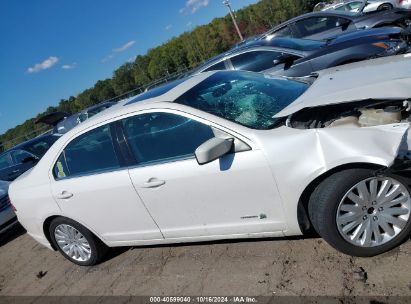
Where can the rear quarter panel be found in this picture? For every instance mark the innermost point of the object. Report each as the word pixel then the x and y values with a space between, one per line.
pixel 34 204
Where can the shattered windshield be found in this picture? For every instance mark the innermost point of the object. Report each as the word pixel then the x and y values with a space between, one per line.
pixel 250 99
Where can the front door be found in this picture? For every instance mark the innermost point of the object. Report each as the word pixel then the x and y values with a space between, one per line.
pixel 234 195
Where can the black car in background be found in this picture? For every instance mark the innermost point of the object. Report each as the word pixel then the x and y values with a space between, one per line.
pixel 63 122
pixel 326 24
pixel 24 156
pixel 300 57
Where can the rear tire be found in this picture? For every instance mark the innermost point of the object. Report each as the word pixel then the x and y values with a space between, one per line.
pixel 368 234
pixel 75 242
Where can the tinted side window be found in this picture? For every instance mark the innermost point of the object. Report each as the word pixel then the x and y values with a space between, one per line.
pixel 282 32
pixel 355 6
pixel 155 137
pixel 20 155
pixel 40 147
pixel 343 8
pixel 216 67
pixel 90 152
pixel 5 161
pixel 255 61
pixel 311 26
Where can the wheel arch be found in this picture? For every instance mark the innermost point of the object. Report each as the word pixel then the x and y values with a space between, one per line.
pixel 48 220
pixel 302 207
pixel 385 4
pixel 46 225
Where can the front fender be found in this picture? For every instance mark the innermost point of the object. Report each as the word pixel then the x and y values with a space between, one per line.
pixel 298 157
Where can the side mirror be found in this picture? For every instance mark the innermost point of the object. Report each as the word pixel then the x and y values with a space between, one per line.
pixel 30 159
pixel 286 59
pixel 212 149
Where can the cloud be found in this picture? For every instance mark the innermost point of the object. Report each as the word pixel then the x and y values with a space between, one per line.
pixel 189 24
pixel 46 64
pixel 107 58
pixel 69 66
pixel 124 47
pixel 168 27
pixel 193 6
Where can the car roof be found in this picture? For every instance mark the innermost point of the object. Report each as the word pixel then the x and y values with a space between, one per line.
pixel 342 14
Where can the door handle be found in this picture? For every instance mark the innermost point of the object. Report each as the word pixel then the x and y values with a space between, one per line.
pixel 153 183
pixel 64 195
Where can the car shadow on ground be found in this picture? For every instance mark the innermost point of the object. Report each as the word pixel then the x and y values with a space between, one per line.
pixel 116 251
pixel 11 234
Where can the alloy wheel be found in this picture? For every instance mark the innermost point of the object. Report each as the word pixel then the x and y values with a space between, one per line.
pixel 72 242
pixel 373 212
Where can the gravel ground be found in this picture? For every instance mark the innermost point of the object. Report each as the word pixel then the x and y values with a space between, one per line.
pixel 293 266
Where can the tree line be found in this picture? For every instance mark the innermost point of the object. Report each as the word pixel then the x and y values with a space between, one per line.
pixel 180 53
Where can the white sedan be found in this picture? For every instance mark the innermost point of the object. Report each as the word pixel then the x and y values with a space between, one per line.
pixel 357 5
pixel 228 155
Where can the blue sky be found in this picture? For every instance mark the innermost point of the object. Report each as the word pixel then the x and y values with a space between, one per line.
pixel 52 49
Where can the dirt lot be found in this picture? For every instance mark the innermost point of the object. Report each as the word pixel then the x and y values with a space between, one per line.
pixel 264 267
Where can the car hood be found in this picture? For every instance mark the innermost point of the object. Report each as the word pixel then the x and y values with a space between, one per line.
pixel 4 187
pixel 382 78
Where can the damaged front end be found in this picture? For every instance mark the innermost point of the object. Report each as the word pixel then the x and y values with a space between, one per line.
pixel 363 114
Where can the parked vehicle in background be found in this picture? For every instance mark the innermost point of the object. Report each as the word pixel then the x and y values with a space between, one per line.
pixel 300 57
pixel 7 216
pixel 214 156
pixel 406 4
pixel 62 122
pixel 327 24
pixel 24 156
pixel 358 5
pixel 65 125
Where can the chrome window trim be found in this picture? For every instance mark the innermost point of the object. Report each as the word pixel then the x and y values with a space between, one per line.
pixel 199 119
pixel 142 165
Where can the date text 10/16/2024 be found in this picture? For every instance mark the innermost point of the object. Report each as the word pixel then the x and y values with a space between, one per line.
pixel 203 299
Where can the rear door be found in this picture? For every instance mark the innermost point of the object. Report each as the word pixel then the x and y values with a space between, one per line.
pixel 91 186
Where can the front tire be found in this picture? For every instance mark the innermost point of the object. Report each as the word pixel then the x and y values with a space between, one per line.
pixel 360 214
pixel 75 242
